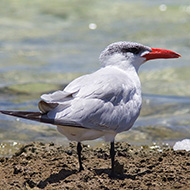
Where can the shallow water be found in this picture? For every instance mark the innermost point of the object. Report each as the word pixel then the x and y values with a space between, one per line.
pixel 46 44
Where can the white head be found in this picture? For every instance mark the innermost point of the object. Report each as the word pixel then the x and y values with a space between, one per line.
pixel 127 54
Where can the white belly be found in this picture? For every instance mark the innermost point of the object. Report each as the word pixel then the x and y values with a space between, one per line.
pixel 84 134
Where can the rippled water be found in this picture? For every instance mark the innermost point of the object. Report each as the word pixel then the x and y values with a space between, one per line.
pixel 45 44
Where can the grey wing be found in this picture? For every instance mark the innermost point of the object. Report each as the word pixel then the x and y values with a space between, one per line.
pixel 51 101
pixel 91 101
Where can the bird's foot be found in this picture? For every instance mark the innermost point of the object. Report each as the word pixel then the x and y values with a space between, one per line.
pixel 112 175
pixel 81 168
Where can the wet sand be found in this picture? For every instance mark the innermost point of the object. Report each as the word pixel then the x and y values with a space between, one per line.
pixel 51 166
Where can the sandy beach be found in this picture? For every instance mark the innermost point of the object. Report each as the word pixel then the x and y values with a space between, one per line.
pixel 50 166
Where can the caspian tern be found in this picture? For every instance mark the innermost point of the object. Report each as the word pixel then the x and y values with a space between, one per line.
pixel 100 104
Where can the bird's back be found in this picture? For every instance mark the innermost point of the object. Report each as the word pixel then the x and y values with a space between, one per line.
pixel 108 99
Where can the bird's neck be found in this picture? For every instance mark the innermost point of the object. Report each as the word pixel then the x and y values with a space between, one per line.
pixel 121 62
pixel 129 72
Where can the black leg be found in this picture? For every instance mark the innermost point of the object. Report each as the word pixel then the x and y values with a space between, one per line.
pixel 79 149
pixel 112 155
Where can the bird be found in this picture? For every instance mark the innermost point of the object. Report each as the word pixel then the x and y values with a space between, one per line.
pixel 103 103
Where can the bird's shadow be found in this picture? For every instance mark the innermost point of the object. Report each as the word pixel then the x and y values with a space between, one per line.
pixel 54 178
pixel 121 176
pixel 63 174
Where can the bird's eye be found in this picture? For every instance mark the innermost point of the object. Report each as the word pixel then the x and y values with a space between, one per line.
pixel 133 50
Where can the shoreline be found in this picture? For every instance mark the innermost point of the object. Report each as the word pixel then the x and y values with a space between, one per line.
pixel 50 166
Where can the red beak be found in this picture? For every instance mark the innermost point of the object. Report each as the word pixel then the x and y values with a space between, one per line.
pixel 161 54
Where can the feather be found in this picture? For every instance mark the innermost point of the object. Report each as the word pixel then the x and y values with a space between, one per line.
pixel 40 117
